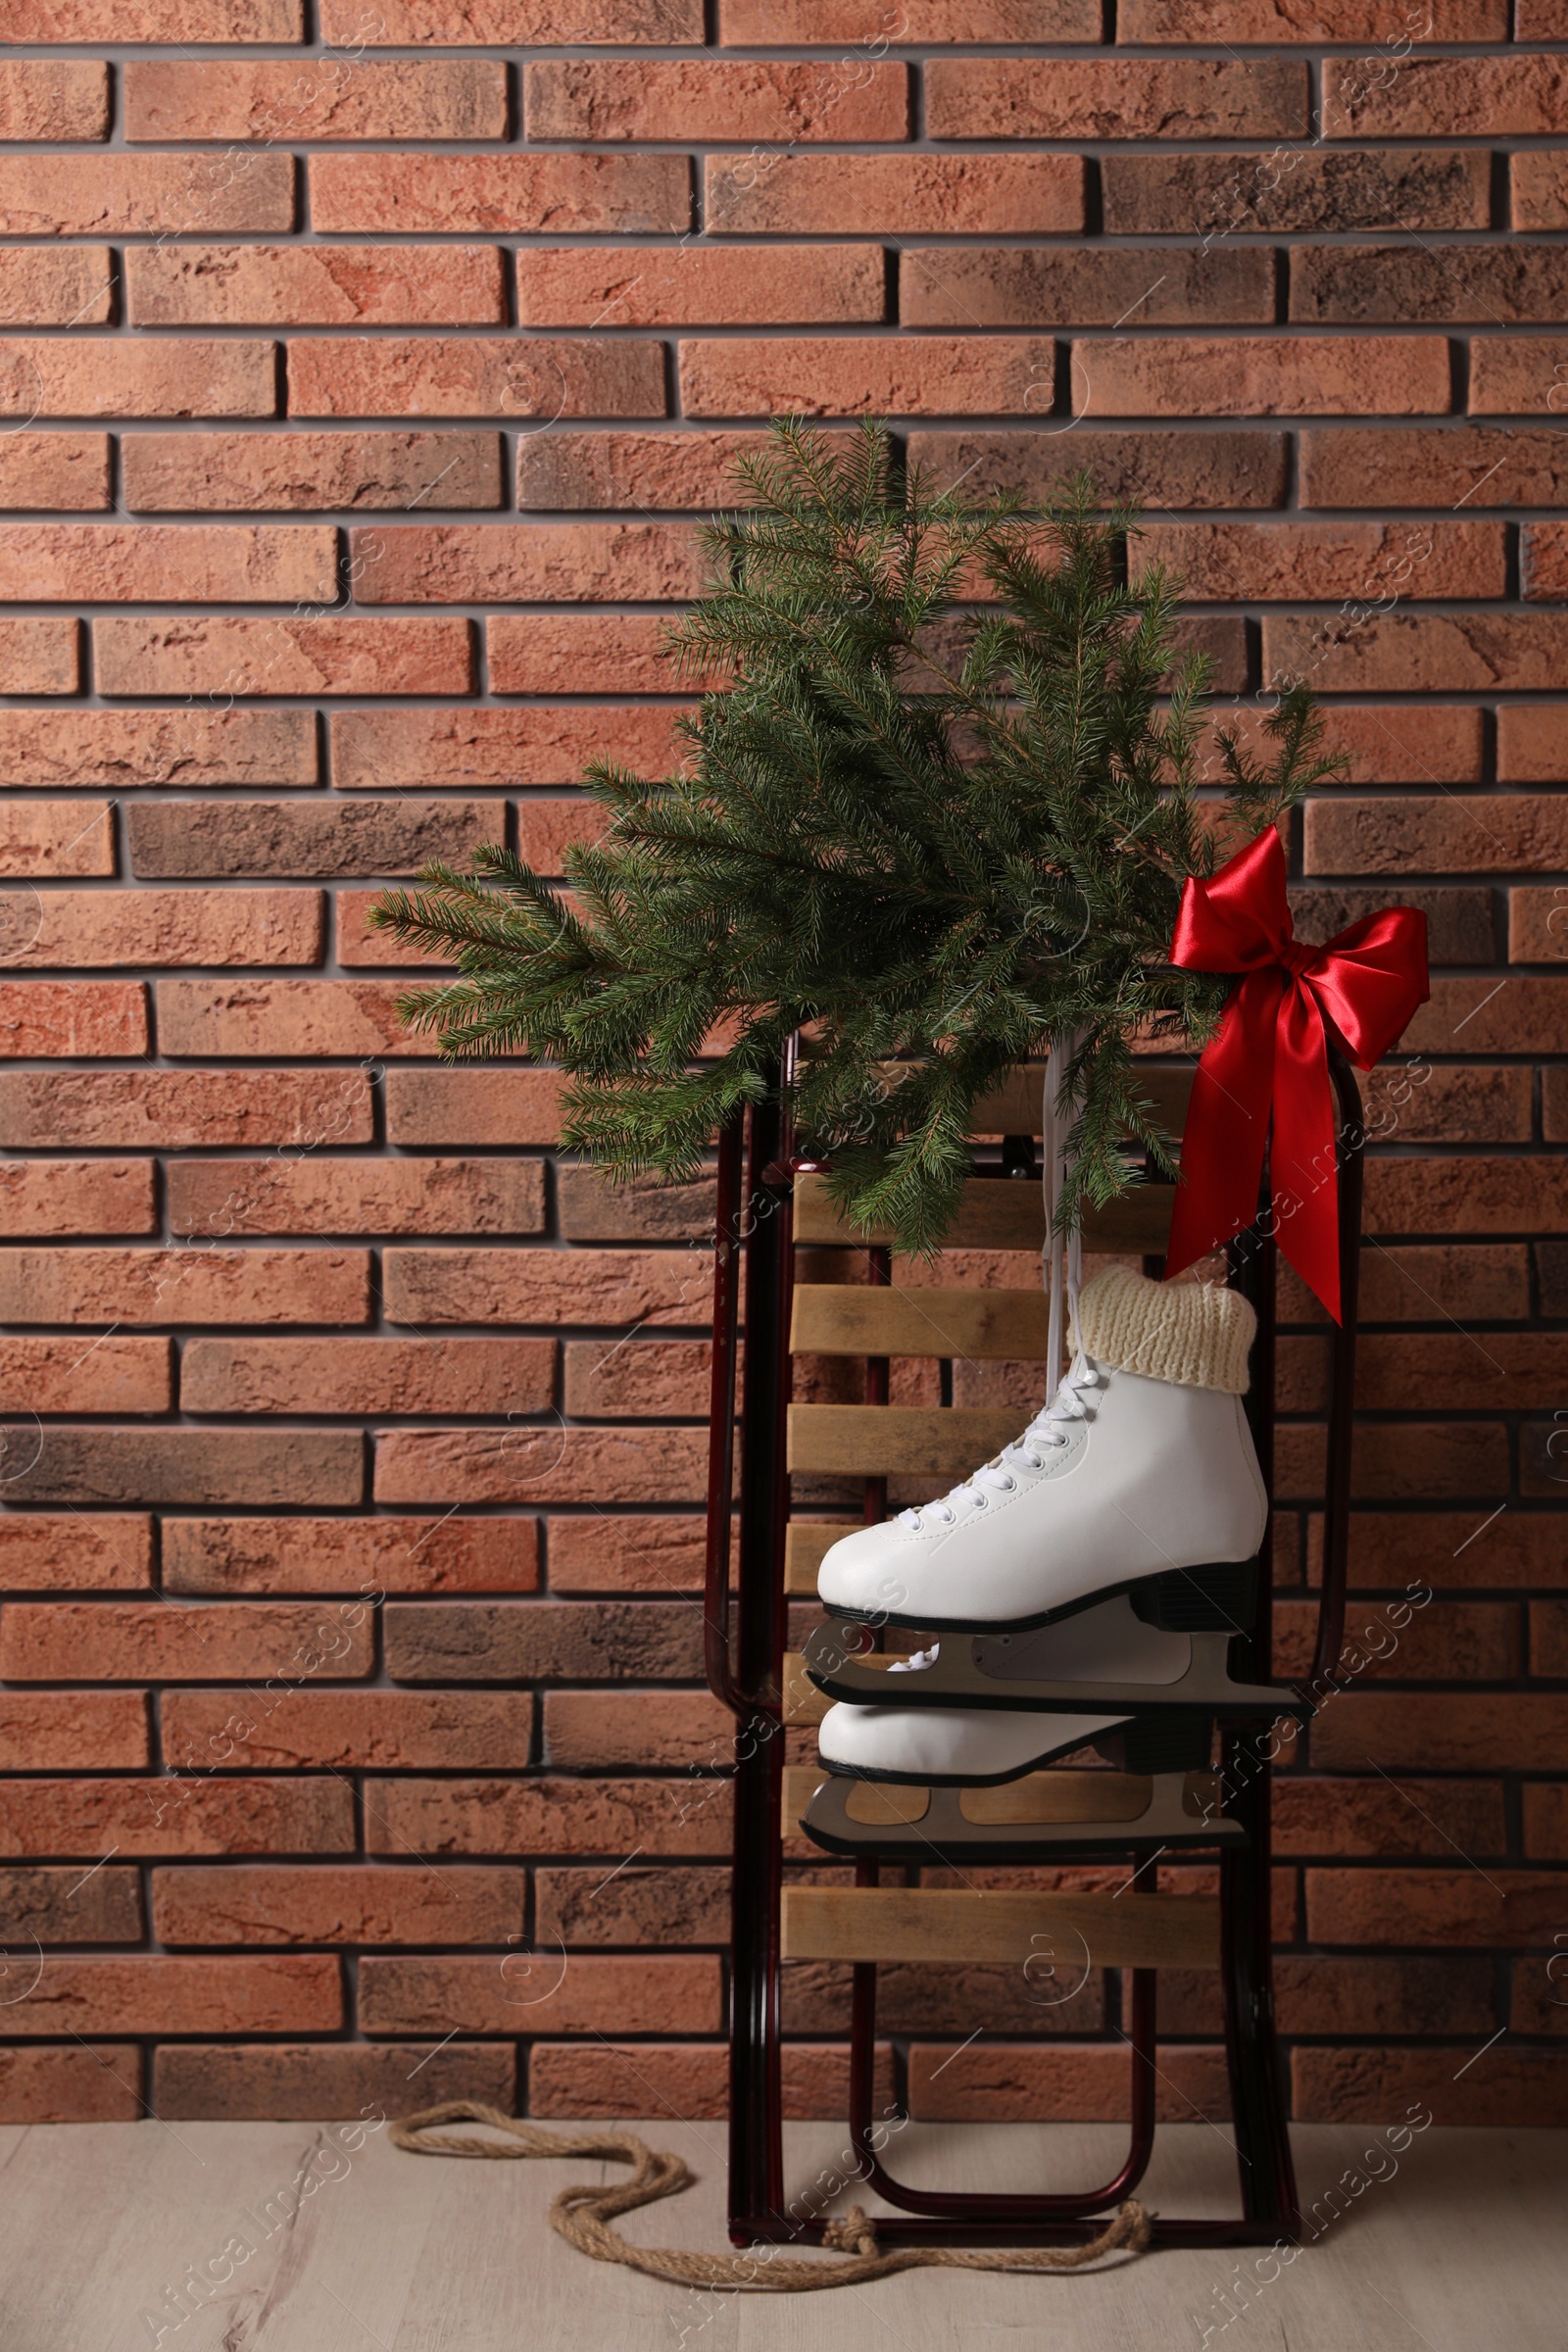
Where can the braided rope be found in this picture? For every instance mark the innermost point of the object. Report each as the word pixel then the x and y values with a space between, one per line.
pixel 583 2214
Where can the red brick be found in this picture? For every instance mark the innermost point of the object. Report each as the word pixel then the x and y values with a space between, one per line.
pixel 337 1905
pixel 1469 1195
pixel 40 655
pixel 68 285
pixel 92 376
pixel 513 1816
pixel 259 1018
pixel 1540 20
pixel 1501 833
pixel 665 1904
pixel 155 20
pixel 910 194
pixel 1442 1641
pixel 69 1020
pixel 1546 1820
pixel 1543 559
pixel 1471 1105
pixel 324 286
pixel 202 1814
pixel 367 1375
pixel 688 2080
pixel 196 655
pixel 1508 2090
pixel 546 829
pixel 380 1730
pixel 814 24
pixel 608 1378
pixel 84 1463
pixel 1437 97
pixel 603 1554
pixel 1527 1015
pixel 541 377
pixel 564 195
pixel 391 836
pixel 60 1376
pixel 1507 1732
pixel 1386 743
pixel 77 1731
pixel 232 2082
pixel 1173 469
pixel 282 100
pixel 117 195
pixel 469 750
pixel 1540 189
pixel 493 24
pixel 636 1730
pixel 545 1464
pixel 1538 2004
pixel 506 1640
pixel 1049 2082
pixel 538 1993
pixel 1412 1284
pixel 85 927
pixel 1285 21
pixel 152 563
pixel 1414 1461
pixel 673 471
pixel 220 1197
pixel 952 375
pixel 1448 1548
pixel 52 99
pixel 341 1555
pixel 573 285
pixel 128 748
pixel 159 1995
pixel 1530 744
pixel 1379 1816
pixel 233 471
pixel 1115 98
pixel 1093 286
pixel 603 99
pixel 1549 1637
pixel 81 2084
pixel 44 1551
pixel 470 1106
pixel 1261 375
pixel 1432 1906
pixel 552 562
pixel 357 945
pixel 54 469
pixel 1485 466
pixel 1217 196
pixel 1537 924
pixel 124 1642
pixel 1486 284
pixel 604 1286
pixel 1517 374
pixel 1304 562
pixel 197 1285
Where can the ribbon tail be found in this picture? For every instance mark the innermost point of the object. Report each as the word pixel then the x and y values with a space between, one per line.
pixel 1303 1161
pixel 1227 1123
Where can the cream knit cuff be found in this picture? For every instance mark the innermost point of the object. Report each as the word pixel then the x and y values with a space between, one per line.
pixel 1195 1333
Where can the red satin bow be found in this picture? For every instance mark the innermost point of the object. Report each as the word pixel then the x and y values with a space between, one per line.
pixel 1270 1057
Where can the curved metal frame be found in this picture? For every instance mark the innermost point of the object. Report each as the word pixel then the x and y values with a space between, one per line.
pixel 744 1664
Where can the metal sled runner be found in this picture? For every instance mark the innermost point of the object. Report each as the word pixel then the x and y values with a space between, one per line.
pixel 772 1203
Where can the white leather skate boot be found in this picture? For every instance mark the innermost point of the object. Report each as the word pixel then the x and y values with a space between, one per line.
pixel 968 1745
pixel 1141 1468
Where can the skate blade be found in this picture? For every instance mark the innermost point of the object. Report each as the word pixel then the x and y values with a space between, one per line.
pixel 957 1679
pixel 1039 1812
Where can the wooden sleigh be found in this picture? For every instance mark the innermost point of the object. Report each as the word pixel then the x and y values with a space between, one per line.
pixel 771 1201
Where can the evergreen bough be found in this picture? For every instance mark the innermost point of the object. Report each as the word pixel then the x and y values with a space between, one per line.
pixel 940 818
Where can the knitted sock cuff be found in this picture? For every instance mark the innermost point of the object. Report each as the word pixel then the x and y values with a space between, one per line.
pixel 1195 1333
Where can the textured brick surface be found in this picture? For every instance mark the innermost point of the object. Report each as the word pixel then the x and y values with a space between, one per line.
pixel 368 375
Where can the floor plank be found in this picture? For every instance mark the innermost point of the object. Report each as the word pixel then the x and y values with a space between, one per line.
pixel 1458 2244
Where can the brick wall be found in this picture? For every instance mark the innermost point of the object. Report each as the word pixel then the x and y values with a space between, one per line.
pixel 364 374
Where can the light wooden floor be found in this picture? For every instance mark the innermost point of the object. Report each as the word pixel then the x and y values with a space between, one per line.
pixel 1463 2249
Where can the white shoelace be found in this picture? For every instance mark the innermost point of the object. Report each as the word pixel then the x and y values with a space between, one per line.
pixel 1046 1433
